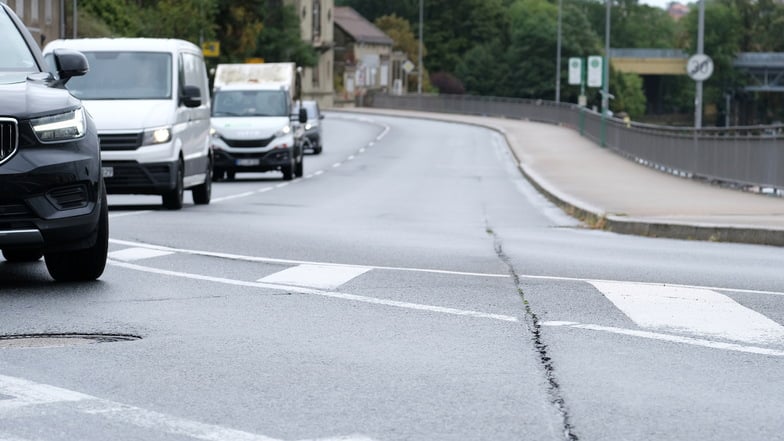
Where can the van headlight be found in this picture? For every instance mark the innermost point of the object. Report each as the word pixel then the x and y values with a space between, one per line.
pixel 283 131
pixel 60 127
pixel 157 136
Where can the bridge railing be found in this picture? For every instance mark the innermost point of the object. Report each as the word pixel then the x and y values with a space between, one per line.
pixel 748 157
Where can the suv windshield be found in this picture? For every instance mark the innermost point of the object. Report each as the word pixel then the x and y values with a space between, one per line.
pixel 125 76
pixel 250 103
pixel 16 60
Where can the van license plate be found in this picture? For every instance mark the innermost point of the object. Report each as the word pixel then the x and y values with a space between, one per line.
pixel 247 162
pixel 107 172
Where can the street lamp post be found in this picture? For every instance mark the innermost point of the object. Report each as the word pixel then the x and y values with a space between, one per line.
pixel 558 57
pixel 419 67
pixel 606 74
pixel 700 51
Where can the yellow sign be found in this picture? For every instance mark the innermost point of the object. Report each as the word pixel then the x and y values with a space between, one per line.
pixel 211 48
pixel 254 60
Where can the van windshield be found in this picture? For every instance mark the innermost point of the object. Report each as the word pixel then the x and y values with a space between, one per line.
pixel 125 76
pixel 250 103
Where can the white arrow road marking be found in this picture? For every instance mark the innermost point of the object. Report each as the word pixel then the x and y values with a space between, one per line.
pixel 691 310
pixel 316 276
pixel 669 338
pixel 137 253
pixel 28 393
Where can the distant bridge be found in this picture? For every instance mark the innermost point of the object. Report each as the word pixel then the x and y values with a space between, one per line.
pixel 765 68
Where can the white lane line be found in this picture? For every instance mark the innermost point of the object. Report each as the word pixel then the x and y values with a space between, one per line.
pixel 28 393
pixel 308 176
pixel 350 158
pixel 234 196
pixel 336 165
pixel 137 253
pixel 316 276
pixel 318 173
pixel 296 262
pixel 669 338
pixel 362 150
pixel 130 213
pixel 282 184
pixel 696 311
pixel 335 295
pixel 714 288
pixel 371 144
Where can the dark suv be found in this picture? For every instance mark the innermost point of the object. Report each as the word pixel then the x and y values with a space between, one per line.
pixel 52 197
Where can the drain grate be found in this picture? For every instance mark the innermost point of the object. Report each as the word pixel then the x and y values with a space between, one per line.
pixel 60 340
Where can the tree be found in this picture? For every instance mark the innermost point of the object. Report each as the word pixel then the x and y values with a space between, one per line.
pixel 399 30
pixel 280 39
pixel 164 19
pixel 628 92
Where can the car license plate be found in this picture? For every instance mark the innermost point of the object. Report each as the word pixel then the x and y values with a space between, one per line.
pixel 107 172
pixel 247 162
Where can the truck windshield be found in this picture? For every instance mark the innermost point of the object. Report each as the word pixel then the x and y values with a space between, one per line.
pixel 250 103
pixel 125 76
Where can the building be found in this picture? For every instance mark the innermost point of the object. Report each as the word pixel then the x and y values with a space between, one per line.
pixel 316 21
pixel 42 17
pixel 363 54
pixel 677 10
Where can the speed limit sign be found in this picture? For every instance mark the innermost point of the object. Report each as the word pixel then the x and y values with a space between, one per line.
pixel 699 67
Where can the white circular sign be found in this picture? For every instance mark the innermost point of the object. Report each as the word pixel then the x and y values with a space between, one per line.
pixel 699 67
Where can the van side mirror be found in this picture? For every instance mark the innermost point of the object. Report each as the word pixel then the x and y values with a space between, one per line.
pixel 191 96
pixel 70 63
pixel 303 115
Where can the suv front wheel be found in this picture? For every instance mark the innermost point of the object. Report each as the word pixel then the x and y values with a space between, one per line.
pixel 87 264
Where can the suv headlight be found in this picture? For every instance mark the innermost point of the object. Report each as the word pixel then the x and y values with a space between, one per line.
pixel 283 131
pixel 157 136
pixel 60 127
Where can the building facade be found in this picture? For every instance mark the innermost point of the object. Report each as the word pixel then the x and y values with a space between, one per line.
pixel 317 28
pixel 42 17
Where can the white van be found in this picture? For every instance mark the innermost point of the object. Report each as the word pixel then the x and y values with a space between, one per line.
pixel 151 104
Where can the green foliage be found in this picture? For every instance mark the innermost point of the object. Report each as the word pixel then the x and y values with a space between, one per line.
pixel 106 18
pixel 164 19
pixel 628 92
pixel 399 30
pixel 481 71
pixel 280 39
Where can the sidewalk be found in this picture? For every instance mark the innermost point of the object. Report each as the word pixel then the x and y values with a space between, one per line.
pixel 613 193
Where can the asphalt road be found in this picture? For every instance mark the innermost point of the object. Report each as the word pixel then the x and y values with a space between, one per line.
pixel 411 287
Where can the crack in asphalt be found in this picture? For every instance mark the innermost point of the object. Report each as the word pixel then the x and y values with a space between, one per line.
pixel 534 326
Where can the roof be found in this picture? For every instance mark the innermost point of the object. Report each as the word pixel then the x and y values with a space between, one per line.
pixel 124 44
pixel 359 28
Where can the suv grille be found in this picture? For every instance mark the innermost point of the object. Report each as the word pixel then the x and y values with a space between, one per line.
pixel 9 138
pixel 120 141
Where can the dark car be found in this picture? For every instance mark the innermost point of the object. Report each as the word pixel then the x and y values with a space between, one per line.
pixel 313 139
pixel 52 197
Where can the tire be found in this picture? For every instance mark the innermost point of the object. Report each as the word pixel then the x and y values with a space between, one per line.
pixel 203 193
pixel 299 167
pixel 87 264
pixel 23 254
pixel 287 173
pixel 218 174
pixel 317 149
pixel 172 199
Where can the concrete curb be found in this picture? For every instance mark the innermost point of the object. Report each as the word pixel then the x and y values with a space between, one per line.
pixel 595 217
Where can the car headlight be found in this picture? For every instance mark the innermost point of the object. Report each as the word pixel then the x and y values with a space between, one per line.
pixel 308 126
pixel 283 132
pixel 60 127
pixel 157 136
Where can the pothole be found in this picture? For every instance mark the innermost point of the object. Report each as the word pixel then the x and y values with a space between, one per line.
pixel 60 340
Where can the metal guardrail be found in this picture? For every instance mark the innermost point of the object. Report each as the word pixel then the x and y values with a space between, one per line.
pixel 748 157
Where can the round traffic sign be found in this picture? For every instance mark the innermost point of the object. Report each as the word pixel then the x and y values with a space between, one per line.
pixel 699 67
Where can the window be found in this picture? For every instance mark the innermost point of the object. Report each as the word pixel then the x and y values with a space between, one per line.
pixel 34 14
pixel 125 75
pixel 316 76
pixel 316 20
pixel 48 15
pixel 15 57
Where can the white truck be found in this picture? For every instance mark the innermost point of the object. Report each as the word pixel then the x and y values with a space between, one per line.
pixel 253 128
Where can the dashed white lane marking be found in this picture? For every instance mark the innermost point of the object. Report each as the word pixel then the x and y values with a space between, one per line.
pixel 669 338
pixel 233 196
pixel 318 173
pixel 28 393
pixel 351 158
pixel 137 253
pixel 336 165
pixel 362 150
pixel 316 276
pixel 281 185
pixel 696 311
pixel 315 292
pixel 296 262
pixel 129 213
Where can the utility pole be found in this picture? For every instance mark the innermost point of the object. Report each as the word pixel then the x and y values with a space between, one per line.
pixel 558 57
pixel 75 19
pixel 700 51
pixel 419 67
